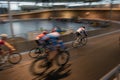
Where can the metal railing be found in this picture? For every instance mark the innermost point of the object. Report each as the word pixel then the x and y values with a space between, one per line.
pixel 114 74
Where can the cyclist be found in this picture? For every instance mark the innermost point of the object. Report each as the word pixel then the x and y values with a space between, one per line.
pixel 46 38
pixel 81 32
pixel 4 42
pixel 54 37
pixel 39 39
pixel 54 42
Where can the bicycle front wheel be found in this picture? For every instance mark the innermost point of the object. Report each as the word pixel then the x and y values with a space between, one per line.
pixel 62 58
pixel 14 58
pixel 38 67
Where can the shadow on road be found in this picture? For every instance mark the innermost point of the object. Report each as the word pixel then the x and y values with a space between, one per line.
pixel 55 74
pixel 5 66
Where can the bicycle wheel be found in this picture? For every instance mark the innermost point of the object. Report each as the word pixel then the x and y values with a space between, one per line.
pixel 84 41
pixel 14 58
pixel 76 43
pixel 38 66
pixel 35 52
pixel 62 58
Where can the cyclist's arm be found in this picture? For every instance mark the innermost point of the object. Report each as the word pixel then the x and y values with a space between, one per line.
pixel 9 46
pixel 85 33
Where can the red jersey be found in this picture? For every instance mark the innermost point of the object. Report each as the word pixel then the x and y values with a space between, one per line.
pixel 40 36
pixel 1 42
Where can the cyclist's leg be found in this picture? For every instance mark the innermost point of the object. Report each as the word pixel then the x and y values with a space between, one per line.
pixel 52 55
pixel 85 34
pixel 81 36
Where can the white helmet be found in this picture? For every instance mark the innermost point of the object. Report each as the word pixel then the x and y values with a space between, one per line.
pixel 3 35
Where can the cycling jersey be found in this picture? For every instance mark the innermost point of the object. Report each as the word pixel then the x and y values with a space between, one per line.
pixel 52 38
pixel 80 30
pixel 53 34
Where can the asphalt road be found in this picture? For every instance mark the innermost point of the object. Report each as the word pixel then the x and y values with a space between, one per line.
pixel 91 62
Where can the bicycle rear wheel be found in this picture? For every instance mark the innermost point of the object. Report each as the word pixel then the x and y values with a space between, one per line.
pixel 62 58
pixel 35 52
pixel 14 58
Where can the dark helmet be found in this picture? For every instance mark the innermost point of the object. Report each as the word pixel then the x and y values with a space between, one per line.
pixel 45 32
pixel 83 26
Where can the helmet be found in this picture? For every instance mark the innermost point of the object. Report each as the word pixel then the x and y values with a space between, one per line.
pixel 44 32
pixel 83 26
pixel 3 35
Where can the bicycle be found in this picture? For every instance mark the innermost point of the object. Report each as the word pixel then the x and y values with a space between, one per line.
pixel 41 64
pixel 11 57
pixel 79 41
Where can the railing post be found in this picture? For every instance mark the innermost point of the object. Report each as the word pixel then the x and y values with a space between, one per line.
pixel 10 19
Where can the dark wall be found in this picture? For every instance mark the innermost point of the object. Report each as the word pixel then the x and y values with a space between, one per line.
pixel 71 13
